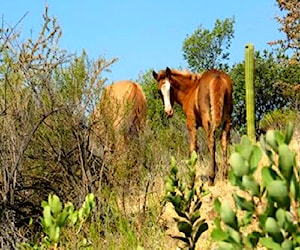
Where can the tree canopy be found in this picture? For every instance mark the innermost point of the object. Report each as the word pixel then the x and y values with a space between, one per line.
pixel 206 49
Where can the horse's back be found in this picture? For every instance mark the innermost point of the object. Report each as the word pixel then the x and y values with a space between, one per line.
pixel 215 96
pixel 127 102
pixel 120 113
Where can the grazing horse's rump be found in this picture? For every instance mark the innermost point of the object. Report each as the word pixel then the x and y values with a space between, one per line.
pixel 206 101
pixel 121 112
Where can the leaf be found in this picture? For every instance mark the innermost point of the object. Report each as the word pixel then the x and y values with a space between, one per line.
pixel 280 217
pixel 175 200
pixel 286 161
pixel 185 228
pixel 217 205
pixel 271 140
pixel 273 229
pixel 279 138
pixel 189 194
pixel 255 158
pixel 289 133
pixel 269 243
pixel 174 170
pixel 235 236
pixel 180 213
pixel 251 184
pixel 226 246
pixel 287 245
pixel 90 199
pixel 219 235
pixel 183 239
pixel 193 159
pixel 61 218
pixel 47 217
pixel 294 188
pixel 55 204
pixel 268 175
pixel 245 148
pixel 195 216
pixel 247 218
pixel 238 164
pixel 44 203
pixel 253 238
pixel 54 233
pixel 242 203
pixel 234 180
pixel 198 204
pixel 278 191
pixel 169 187
pixel 201 229
pixel 228 215
pixel 271 225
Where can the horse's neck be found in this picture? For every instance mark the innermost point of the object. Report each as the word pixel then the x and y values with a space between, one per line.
pixel 184 87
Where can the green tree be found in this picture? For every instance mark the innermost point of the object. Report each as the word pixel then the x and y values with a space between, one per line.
pixel 206 49
pixel 270 93
pixel 290 25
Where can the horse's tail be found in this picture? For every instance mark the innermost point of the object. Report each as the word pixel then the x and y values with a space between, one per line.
pixel 139 106
pixel 218 99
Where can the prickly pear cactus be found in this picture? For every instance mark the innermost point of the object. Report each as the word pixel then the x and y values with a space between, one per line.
pixel 267 214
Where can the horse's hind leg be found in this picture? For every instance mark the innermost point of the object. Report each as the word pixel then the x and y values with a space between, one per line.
pixel 191 127
pixel 212 151
pixel 224 144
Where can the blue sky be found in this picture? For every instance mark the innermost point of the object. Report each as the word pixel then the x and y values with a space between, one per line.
pixel 145 34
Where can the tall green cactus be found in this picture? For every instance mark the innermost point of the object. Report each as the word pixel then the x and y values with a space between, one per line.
pixel 249 80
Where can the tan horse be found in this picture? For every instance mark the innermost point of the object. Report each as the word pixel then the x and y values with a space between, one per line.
pixel 120 115
pixel 206 101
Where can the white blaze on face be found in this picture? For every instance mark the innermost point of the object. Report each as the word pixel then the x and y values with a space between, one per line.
pixel 165 90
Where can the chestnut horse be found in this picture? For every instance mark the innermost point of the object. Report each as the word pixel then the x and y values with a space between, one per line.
pixel 120 114
pixel 206 101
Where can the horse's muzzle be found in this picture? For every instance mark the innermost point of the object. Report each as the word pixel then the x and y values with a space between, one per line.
pixel 169 113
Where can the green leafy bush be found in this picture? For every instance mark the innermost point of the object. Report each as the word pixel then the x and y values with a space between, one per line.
pixel 277 119
pixel 185 196
pixel 56 217
pixel 267 213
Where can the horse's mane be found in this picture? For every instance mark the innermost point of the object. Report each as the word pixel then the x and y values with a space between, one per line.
pixel 186 73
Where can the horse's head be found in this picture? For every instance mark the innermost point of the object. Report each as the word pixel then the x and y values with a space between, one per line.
pixel 163 78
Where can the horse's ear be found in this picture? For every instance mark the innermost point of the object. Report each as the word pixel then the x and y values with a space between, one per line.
pixel 168 72
pixel 154 74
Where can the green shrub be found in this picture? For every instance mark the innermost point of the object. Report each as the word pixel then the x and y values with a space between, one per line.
pixel 267 214
pixel 56 217
pixel 185 196
pixel 277 119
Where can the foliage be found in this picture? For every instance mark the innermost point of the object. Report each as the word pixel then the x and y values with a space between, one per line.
pixel 155 110
pixel 290 25
pixel 266 213
pixel 278 119
pixel 206 49
pixel 185 196
pixel 268 95
pixel 45 96
pixel 56 218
